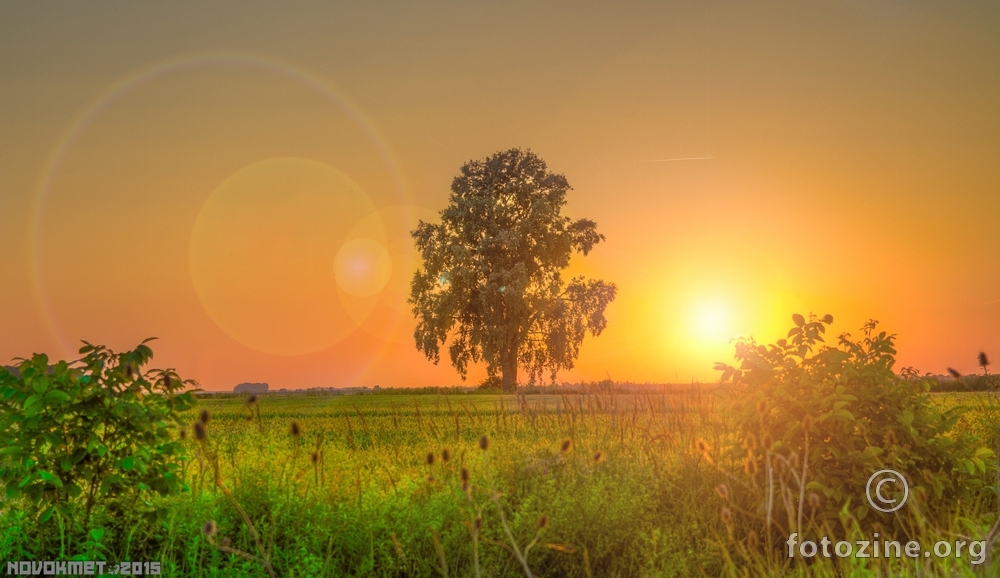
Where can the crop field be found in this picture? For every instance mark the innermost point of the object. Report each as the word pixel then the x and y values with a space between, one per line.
pixel 582 484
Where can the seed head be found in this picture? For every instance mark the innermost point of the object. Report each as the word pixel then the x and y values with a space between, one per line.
pixel 430 458
pixel 752 539
pixel 445 455
pixel 793 460
pixel 543 522
pixel 566 445
pixel 807 423
pixel 762 406
pixel 199 431
pixel 814 500
pixel 465 475
pixel 252 400
pixel 129 372
pixel 723 491
pixel 398 547
pixel 224 542
pixel 767 442
pixel 295 429
pixel 315 457
pixel 750 466
pixel 598 457
pixel 184 433
pixel 205 416
pixel 983 360
pixel 167 382
pixel 954 373
pixel 430 479
pixel 209 528
pixel 890 438
pixel 750 442
pixel 484 442
pixel 726 515
pixel 479 523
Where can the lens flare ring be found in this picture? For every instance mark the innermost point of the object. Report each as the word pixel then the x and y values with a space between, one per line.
pixel 114 92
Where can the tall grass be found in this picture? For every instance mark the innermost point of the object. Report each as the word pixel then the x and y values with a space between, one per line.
pixel 601 483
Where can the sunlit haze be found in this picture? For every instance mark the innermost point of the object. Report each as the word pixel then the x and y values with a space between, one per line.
pixel 242 183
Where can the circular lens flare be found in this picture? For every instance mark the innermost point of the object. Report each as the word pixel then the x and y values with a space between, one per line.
pixel 114 93
pixel 261 251
pixel 391 319
pixel 362 267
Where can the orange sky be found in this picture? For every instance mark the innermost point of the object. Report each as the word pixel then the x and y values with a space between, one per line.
pixel 239 180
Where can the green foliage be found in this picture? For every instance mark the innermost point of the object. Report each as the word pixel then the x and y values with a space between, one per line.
pixel 815 422
pixel 354 494
pixel 490 280
pixel 77 437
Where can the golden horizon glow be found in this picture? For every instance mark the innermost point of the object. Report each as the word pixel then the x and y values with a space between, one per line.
pixel 252 208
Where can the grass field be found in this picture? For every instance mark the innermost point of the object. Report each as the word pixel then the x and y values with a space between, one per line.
pixel 574 485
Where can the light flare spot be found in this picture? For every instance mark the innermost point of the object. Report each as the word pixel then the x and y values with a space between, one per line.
pixel 362 267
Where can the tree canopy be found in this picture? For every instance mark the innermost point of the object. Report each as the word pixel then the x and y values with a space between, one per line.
pixel 490 280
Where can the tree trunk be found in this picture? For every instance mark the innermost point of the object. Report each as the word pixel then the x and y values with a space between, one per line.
pixel 508 369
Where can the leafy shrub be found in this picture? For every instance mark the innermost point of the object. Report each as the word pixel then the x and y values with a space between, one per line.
pixel 815 422
pixel 74 438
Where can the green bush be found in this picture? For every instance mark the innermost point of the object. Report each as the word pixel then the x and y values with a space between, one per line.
pixel 815 422
pixel 89 439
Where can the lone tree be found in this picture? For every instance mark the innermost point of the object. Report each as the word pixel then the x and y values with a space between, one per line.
pixel 490 280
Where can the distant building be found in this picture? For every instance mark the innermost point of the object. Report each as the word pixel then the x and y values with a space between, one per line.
pixel 251 388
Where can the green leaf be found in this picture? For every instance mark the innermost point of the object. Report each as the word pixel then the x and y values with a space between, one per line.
pixel 96 534
pixel 128 463
pixel 50 478
pixel 56 396
pixel 32 400
pixel 799 320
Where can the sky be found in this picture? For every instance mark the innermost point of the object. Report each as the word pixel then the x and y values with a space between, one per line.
pixel 239 179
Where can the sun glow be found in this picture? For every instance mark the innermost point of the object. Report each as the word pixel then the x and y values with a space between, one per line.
pixel 711 320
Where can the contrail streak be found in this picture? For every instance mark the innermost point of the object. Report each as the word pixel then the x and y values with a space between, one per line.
pixel 679 159
pixel 991 302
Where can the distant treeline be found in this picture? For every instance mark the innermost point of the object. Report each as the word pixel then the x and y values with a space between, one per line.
pixel 604 387
pixel 966 383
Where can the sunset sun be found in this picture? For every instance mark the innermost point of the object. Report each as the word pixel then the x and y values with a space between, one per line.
pixel 711 320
